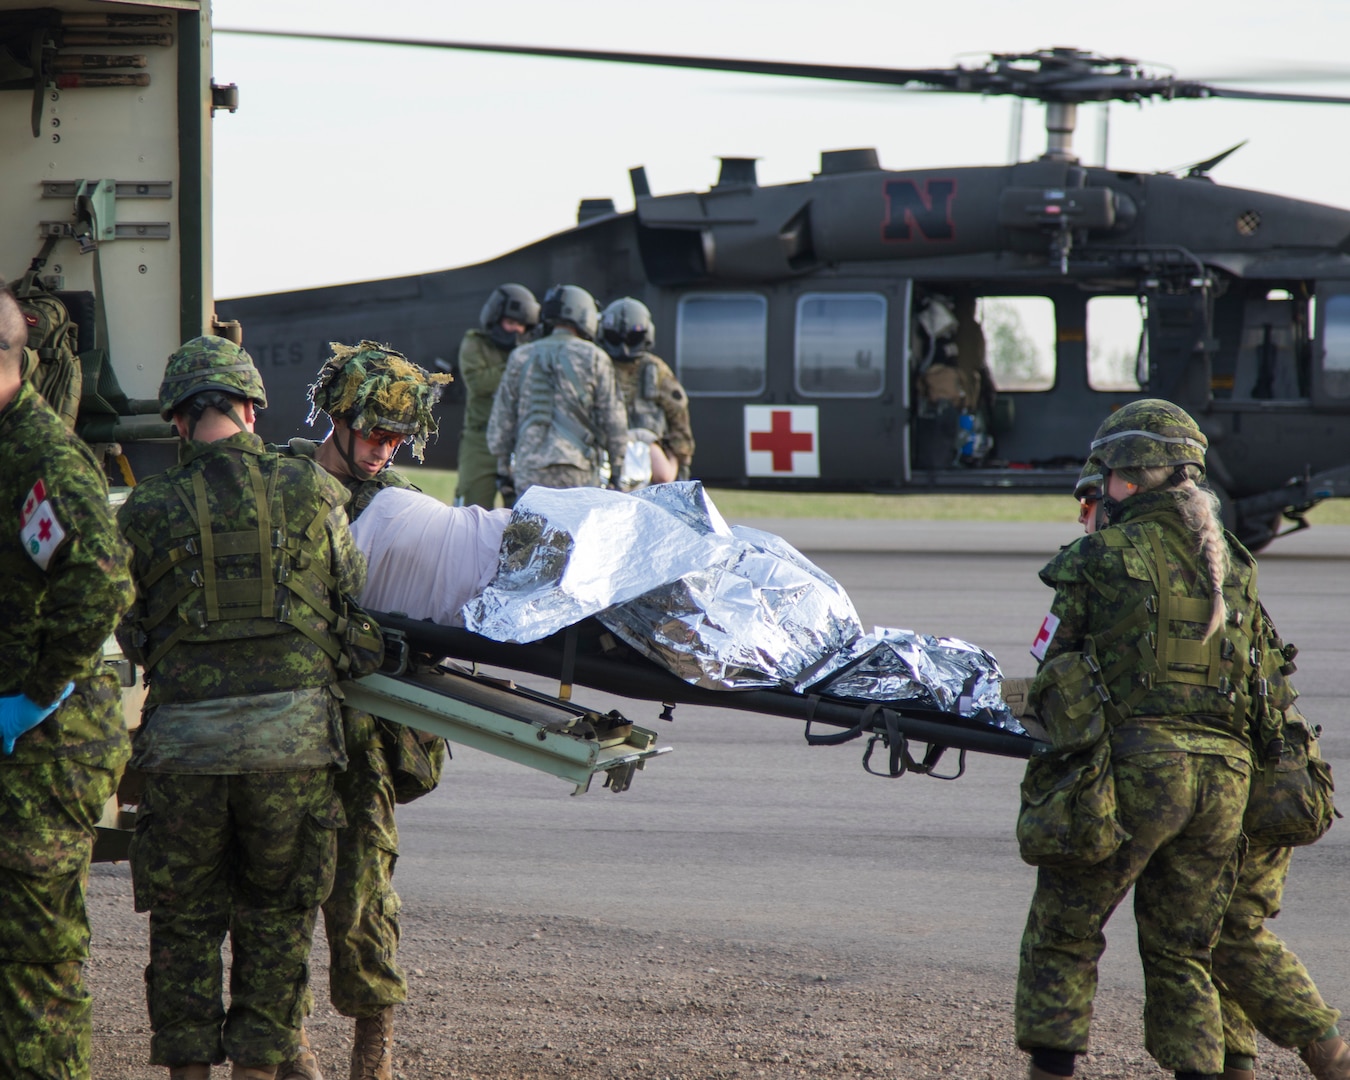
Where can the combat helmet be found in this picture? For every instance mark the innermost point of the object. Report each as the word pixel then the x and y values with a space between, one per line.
pixel 209 363
pixel 1090 481
pixel 1149 433
pixel 509 301
pixel 572 304
pixel 374 386
pixel 626 330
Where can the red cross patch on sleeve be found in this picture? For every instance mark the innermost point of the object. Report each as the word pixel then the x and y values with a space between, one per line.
pixel 40 531
pixel 1044 636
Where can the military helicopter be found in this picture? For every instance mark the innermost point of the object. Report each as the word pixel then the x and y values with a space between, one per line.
pixel 949 330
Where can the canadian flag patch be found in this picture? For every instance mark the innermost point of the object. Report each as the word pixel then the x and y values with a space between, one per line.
pixel 1044 636
pixel 40 532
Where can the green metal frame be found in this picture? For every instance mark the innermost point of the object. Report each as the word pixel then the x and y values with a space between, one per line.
pixel 409 700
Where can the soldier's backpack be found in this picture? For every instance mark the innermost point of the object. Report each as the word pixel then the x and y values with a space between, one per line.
pixel 52 360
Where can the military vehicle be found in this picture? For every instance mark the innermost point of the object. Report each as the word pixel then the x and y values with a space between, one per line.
pixel 936 330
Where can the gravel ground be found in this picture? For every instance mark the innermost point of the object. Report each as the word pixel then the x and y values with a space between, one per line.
pixel 498 995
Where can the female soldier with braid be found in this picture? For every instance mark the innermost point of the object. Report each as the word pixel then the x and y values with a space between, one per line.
pixel 1163 606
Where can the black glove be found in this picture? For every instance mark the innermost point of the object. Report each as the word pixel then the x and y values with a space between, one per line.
pixel 507 486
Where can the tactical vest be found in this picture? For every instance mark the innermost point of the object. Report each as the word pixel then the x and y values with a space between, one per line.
pixel 641 391
pixel 1159 670
pixel 216 583
pixel 545 370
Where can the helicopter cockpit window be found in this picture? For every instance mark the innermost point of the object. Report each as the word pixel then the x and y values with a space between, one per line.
pixel 841 344
pixel 1336 347
pixel 1115 326
pixel 721 343
pixel 1019 334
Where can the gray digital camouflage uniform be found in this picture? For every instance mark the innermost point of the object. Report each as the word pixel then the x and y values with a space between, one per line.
pixel 240 740
pixel 656 401
pixel 556 409
pixel 56 618
pixel 360 916
pixel 1181 760
pixel 482 362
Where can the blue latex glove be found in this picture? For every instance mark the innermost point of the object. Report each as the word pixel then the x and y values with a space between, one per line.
pixel 19 714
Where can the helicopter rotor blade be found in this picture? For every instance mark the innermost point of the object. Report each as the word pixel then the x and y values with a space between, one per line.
pixel 1065 76
pixel 947 78
pixel 1262 95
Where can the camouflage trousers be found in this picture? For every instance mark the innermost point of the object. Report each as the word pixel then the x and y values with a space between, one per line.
pixel 1184 816
pixel 1264 987
pixel 556 476
pixel 47 815
pixel 360 916
pixel 477 470
pixel 250 855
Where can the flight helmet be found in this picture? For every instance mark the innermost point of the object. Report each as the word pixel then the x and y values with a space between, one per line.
pixel 509 301
pixel 572 304
pixel 372 386
pixel 626 330
pixel 209 363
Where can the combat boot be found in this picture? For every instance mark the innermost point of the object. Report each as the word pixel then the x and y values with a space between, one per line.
pixel 1230 1073
pixel 252 1072
pixel 304 1066
pixel 372 1050
pixel 1328 1059
pixel 195 1071
pixel 1037 1073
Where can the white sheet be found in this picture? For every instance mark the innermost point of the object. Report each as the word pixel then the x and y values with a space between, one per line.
pixel 426 559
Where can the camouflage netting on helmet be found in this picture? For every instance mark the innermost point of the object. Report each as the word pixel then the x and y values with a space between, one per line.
pixel 373 386
pixel 1149 433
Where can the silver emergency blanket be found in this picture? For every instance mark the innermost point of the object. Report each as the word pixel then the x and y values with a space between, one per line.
pixel 899 665
pixel 722 607
pixel 569 553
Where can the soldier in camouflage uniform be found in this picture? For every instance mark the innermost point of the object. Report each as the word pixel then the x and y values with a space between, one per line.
pixel 658 407
pixel 240 557
pixel 510 312
pixel 64 740
pixel 557 408
pixel 1164 604
pixel 376 399
pixel 1262 985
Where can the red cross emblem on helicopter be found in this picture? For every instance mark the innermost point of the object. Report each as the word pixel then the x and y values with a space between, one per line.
pixel 782 440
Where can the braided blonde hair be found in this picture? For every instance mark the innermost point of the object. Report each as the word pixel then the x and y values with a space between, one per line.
pixel 1199 509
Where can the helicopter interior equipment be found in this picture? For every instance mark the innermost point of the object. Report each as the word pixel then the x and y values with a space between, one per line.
pixel 935 330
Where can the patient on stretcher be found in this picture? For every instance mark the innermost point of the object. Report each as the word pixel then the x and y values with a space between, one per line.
pixel 723 607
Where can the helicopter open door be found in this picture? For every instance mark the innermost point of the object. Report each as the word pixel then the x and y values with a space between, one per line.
pixel 1331 347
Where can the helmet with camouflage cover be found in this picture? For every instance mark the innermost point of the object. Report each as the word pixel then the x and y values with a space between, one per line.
pixel 572 304
pixel 209 363
pixel 509 301
pixel 626 330
pixel 373 386
pixel 1149 433
pixel 1090 480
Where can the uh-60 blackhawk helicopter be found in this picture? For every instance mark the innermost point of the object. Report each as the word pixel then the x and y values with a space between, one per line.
pixel 939 330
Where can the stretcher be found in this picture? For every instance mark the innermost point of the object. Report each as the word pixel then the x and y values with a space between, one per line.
pixel 449 683
pixel 588 654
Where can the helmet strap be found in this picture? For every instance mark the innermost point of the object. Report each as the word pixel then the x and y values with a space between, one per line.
pixel 348 452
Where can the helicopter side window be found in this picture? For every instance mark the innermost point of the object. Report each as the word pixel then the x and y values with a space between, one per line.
pixel 841 344
pixel 1115 326
pixel 721 344
pixel 1019 333
pixel 1336 347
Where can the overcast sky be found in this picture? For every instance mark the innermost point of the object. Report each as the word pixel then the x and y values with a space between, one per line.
pixel 349 162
